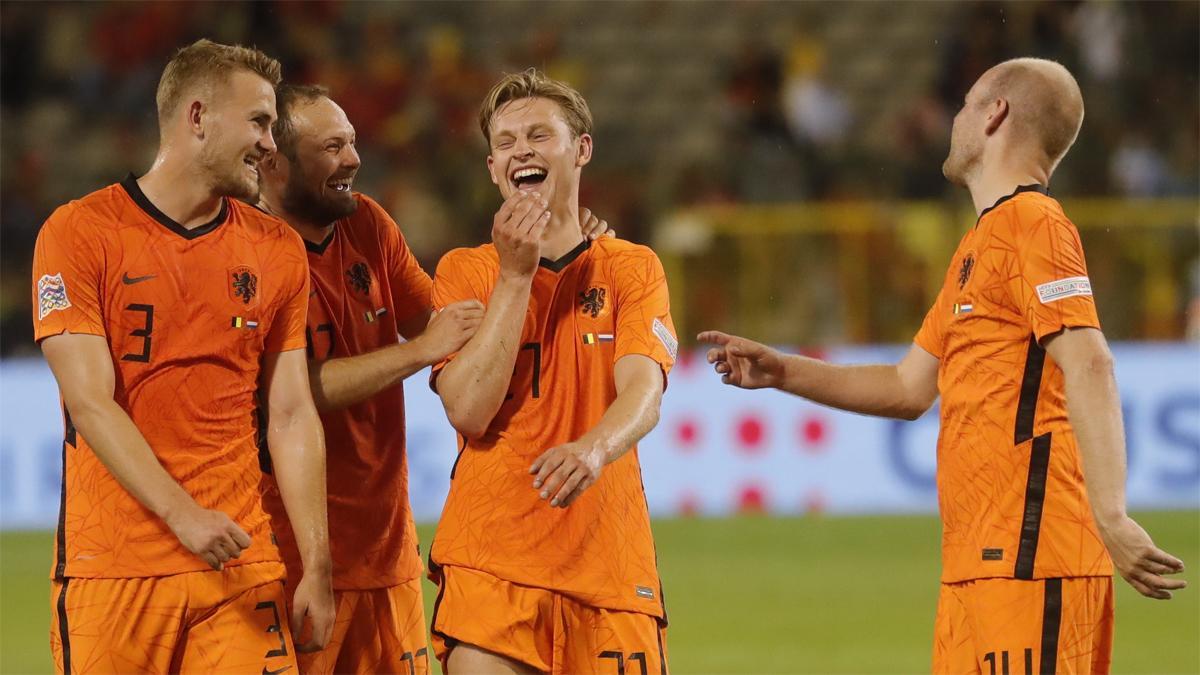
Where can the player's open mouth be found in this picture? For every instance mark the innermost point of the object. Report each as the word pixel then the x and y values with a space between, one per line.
pixel 529 177
pixel 340 184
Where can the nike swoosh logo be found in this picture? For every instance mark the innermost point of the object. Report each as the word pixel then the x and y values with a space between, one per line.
pixel 274 672
pixel 135 280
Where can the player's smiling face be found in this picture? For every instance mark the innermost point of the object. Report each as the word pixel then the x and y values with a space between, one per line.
pixel 534 150
pixel 321 175
pixel 238 134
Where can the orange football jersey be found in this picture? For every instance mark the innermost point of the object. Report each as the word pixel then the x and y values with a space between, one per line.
pixel 365 281
pixel 188 316
pixel 1010 484
pixel 604 300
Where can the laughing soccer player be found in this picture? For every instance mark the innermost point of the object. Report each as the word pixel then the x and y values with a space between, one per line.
pixel 544 556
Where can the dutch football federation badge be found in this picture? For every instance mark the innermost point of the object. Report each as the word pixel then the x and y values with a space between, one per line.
pixel 52 294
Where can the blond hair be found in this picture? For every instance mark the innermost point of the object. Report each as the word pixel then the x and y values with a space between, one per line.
pixel 533 83
pixel 1045 103
pixel 205 63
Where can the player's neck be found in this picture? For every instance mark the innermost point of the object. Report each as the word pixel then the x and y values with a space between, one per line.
pixel 309 231
pixel 999 179
pixel 182 196
pixel 562 234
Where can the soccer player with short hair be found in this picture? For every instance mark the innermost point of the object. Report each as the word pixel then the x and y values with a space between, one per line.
pixel 1029 403
pixel 544 556
pixel 164 307
pixel 366 289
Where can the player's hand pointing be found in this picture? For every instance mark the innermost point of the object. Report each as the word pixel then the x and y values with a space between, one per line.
pixel 565 471
pixel 314 601
pixel 517 233
pixel 210 534
pixel 1139 561
pixel 450 328
pixel 743 363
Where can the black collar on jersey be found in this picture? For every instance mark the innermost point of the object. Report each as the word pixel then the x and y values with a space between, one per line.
pixel 561 263
pixel 135 193
pixel 319 249
pixel 1024 188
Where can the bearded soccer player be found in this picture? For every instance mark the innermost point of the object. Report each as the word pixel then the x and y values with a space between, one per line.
pixel 366 288
pixel 543 556
pixel 1031 455
pixel 164 306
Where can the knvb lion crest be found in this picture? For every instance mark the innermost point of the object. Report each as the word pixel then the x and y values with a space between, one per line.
pixel 964 272
pixel 243 284
pixel 360 277
pixel 591 301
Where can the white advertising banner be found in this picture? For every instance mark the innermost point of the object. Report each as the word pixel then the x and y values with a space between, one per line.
pixel 717 450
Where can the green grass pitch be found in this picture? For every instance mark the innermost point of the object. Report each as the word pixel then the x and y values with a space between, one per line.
pixel 763 595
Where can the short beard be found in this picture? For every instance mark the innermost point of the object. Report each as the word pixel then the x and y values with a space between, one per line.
pixel 302 202
pixel 227 185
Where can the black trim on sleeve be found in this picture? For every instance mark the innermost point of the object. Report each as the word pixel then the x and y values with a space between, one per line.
pixel 560 264
pixel 1051 618
pixel 64 632
pixel 1031 384
pixel 1035 497
pixel 134 190
pixel 1041 189
pixel 70 437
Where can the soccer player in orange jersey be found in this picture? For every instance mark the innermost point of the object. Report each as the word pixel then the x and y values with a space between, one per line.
pixel 165 306
pixel 543 556
pixel 1029 403
pixel 366 288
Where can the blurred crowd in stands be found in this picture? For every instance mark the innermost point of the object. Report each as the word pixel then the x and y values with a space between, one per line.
pixel 77 104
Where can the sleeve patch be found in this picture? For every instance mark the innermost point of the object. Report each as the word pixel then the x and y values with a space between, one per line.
pixel 664 335
pixel 52 294
pixel 1064 288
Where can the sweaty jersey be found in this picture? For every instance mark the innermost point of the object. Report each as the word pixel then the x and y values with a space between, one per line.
pixel 1010 484
pixel 188 316
pixel 365 281
pixel 602 301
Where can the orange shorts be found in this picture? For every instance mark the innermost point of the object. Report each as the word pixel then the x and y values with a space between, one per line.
pixel 1002 626
pixel 381 630
pixel 540 628
pixel 200 622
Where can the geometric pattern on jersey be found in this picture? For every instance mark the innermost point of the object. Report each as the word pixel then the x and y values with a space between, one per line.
pixel 598 551
pixel 1010 485
pixel 364 283
pixel 168 301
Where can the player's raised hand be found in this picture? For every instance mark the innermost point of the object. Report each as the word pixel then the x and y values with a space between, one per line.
pixel 1139 561
pixel 517 233
pixel 563 472
pixel 449 329
pixel 593 227
pixel 314 601
pixel 210 534
pixel 743 363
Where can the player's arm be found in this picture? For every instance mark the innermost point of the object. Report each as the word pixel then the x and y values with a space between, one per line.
pixel 1094 410
pixel 337 383
pixel 473 385
pixel 904 390
pixel 563 472
pixel 83 367
pixel 297 447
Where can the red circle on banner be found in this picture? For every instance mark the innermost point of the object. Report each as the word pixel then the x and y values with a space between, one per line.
pixel 814 431
pixel 814 502
pixel 687 435
pixel 752 499
pixel 750 434
pixel 689 505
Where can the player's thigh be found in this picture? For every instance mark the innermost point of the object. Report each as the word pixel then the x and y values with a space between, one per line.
pixel 953 641
pixel 240 624
pixel 594 640
pixel 465 659
pixel 116 625
pixel 384 633
pixel 492 616
pixel 1041 626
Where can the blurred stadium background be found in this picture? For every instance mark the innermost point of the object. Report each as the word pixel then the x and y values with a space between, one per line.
pixel 783 158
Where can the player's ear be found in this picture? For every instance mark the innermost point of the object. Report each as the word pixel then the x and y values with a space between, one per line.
pixel 195 117
pixel 583 150
pixel 997 113
pixel 491 162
